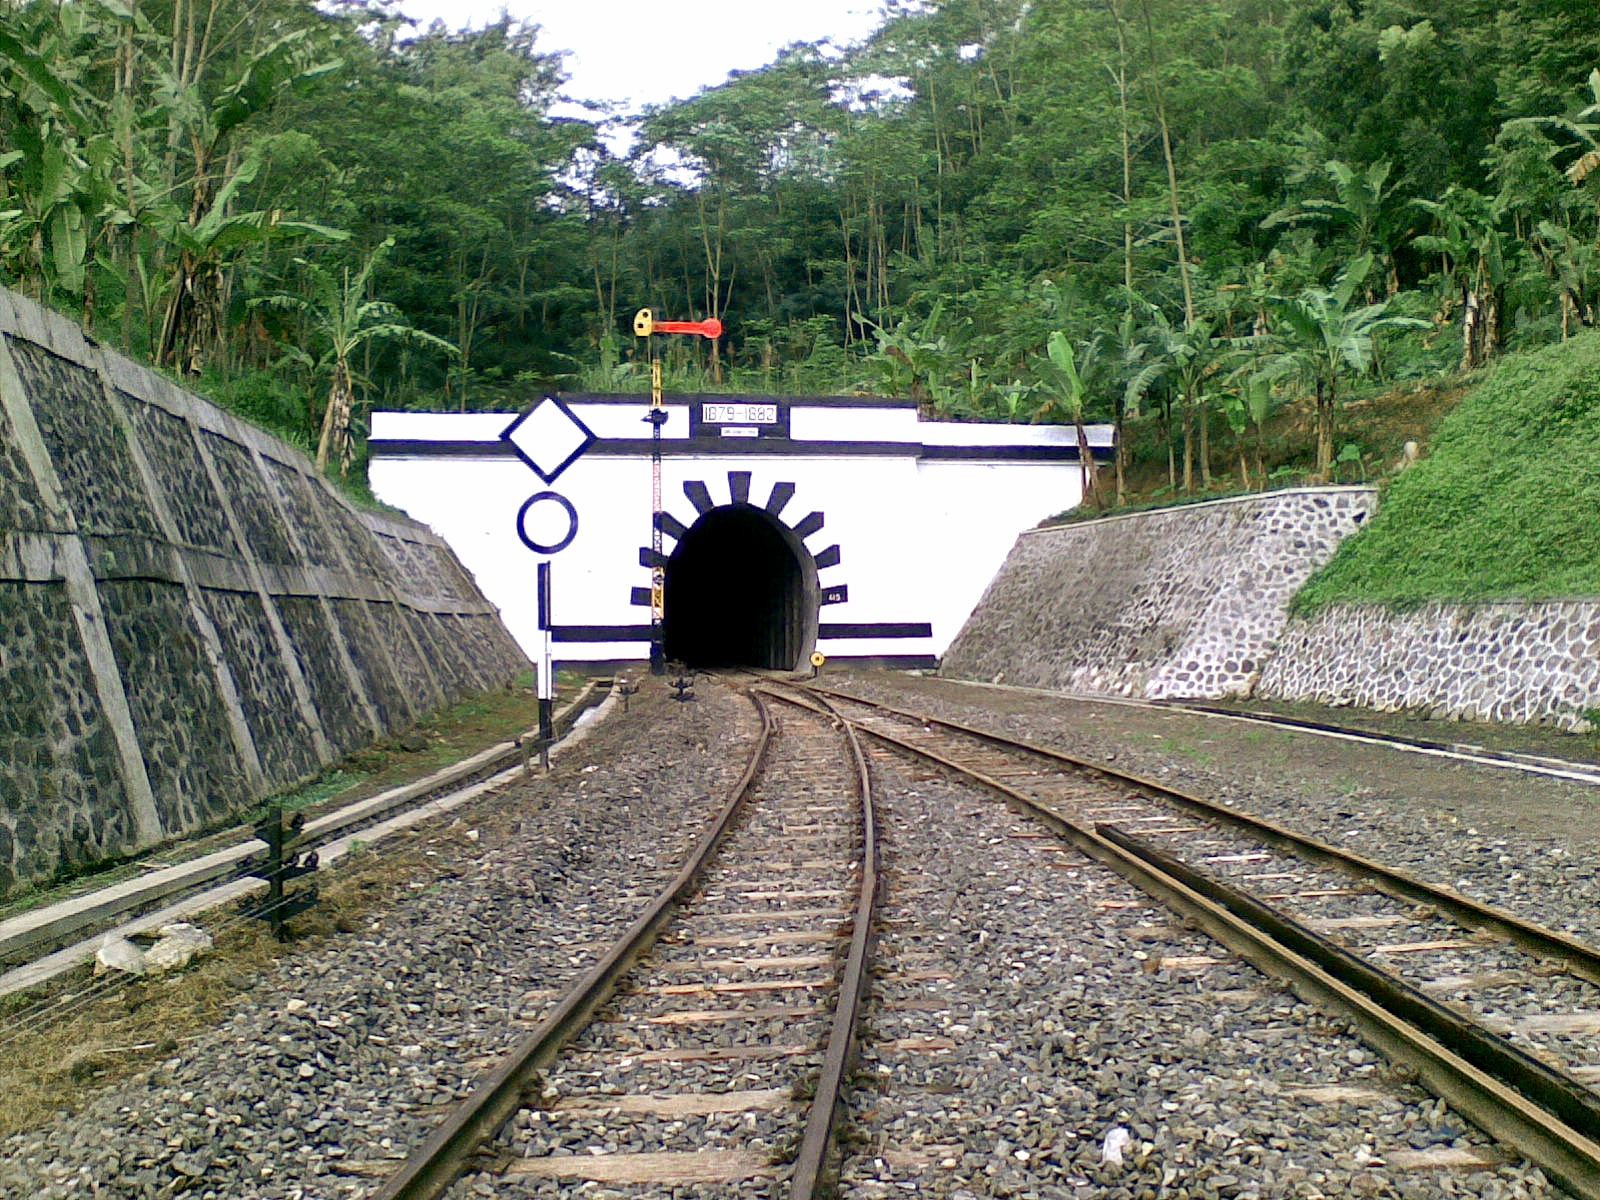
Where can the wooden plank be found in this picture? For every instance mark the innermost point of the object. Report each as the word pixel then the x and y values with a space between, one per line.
pixel 819 894
pixel 1424 947
pixel 700 1016
pixel 1338 1093
pixel 1176 829
pixel 920 1045
pixel 717 1054
pixel 734 942
pixel 1235 858
pixel 1356 922
pixel 761 918
pixel 770 985
pixel 1572 1022
pixel 1486 979
pixel 666 1167
pixel 1586 1074
pixel 1184 962
pixel 681 1104
pixel 724 886
pixel 1435 1158
pixel 769 963
pixel 1318 892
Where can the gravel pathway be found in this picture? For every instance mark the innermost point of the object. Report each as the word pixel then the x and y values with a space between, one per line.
pixel 347 1051
pixel 1033 1010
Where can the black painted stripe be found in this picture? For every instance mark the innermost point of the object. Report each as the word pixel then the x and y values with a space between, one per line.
pixel 640 597
pixel 746 448
pixel 600 633
pixel 671 526
pixel 1016 453
pixel 809 525
pixel 828 558
pixel 782 493
pixel 650 557
pixel 699 495
pixel 739 486
pixel 874 629
pixel 683 399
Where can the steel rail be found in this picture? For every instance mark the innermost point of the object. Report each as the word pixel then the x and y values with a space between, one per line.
pixel 1552 1089
pixel 1572 955
pixel 434 1165
pixel 808 1178
pixel 1543 764
pixel 1565 1153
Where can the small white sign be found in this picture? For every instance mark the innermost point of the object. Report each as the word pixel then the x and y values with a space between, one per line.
pixel 723 413
pixel 740 431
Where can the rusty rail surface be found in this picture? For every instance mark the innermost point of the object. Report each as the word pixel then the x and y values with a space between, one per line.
pixel 1572 955
pixel 816 1146
pixel 1563 1148
pixel 434 1165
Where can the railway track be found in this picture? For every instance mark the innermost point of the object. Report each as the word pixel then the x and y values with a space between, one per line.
pixel 1495 1014
pixel 710 1045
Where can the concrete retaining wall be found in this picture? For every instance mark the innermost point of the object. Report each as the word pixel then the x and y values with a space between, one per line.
pixel 190 617
pixel 1180 602
pixel 1525 663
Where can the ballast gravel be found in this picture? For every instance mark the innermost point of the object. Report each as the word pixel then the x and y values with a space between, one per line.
pixel 1040 1028
pixel 1526 843
pixel 343 1056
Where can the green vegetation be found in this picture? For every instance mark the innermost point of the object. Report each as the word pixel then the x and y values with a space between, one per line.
pixel 1505 505
pixel 1235 216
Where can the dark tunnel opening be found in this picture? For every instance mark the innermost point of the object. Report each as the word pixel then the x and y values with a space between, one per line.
pixel 740 592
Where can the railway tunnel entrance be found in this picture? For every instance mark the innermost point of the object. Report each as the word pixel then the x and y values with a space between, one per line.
pixel 741 591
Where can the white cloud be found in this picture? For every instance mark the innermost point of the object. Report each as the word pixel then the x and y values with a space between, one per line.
pixel 648 53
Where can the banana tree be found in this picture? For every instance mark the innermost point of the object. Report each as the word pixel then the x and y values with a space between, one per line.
pixel 1473 254
pixel 1323 338
pixel 206 232
pixel 1064 396
pixel 1364 206
pixel 1247 405
pixel 1180 358
pixel 339 319
pixel 57 193
pixel 193 324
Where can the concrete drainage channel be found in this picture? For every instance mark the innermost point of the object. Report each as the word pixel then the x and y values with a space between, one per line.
pixel 129 908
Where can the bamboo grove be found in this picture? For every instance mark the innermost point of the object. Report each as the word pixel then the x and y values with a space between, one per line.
pixel 1184 214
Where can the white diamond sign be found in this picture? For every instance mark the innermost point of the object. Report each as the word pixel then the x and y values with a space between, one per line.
pixel 549 437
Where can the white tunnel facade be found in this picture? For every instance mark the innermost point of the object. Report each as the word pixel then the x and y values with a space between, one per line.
pixel 789 525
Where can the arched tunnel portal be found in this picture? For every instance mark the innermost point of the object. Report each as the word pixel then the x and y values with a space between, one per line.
pixel 741 591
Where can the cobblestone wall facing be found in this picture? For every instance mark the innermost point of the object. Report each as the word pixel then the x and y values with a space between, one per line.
pixel 1179 603
pixel 190 617
pixel 1535 663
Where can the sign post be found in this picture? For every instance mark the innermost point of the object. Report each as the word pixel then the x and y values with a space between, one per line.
pixel 549 437
pixel 646 326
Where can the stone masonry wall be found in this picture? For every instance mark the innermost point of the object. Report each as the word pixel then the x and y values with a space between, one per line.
pixel 1182 602
pixel 190 617
pixel 1525 663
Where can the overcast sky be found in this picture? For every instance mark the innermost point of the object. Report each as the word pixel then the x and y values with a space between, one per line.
pixel 642 53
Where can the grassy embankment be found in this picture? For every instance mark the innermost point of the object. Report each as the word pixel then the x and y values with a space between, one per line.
pixel 1505 504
